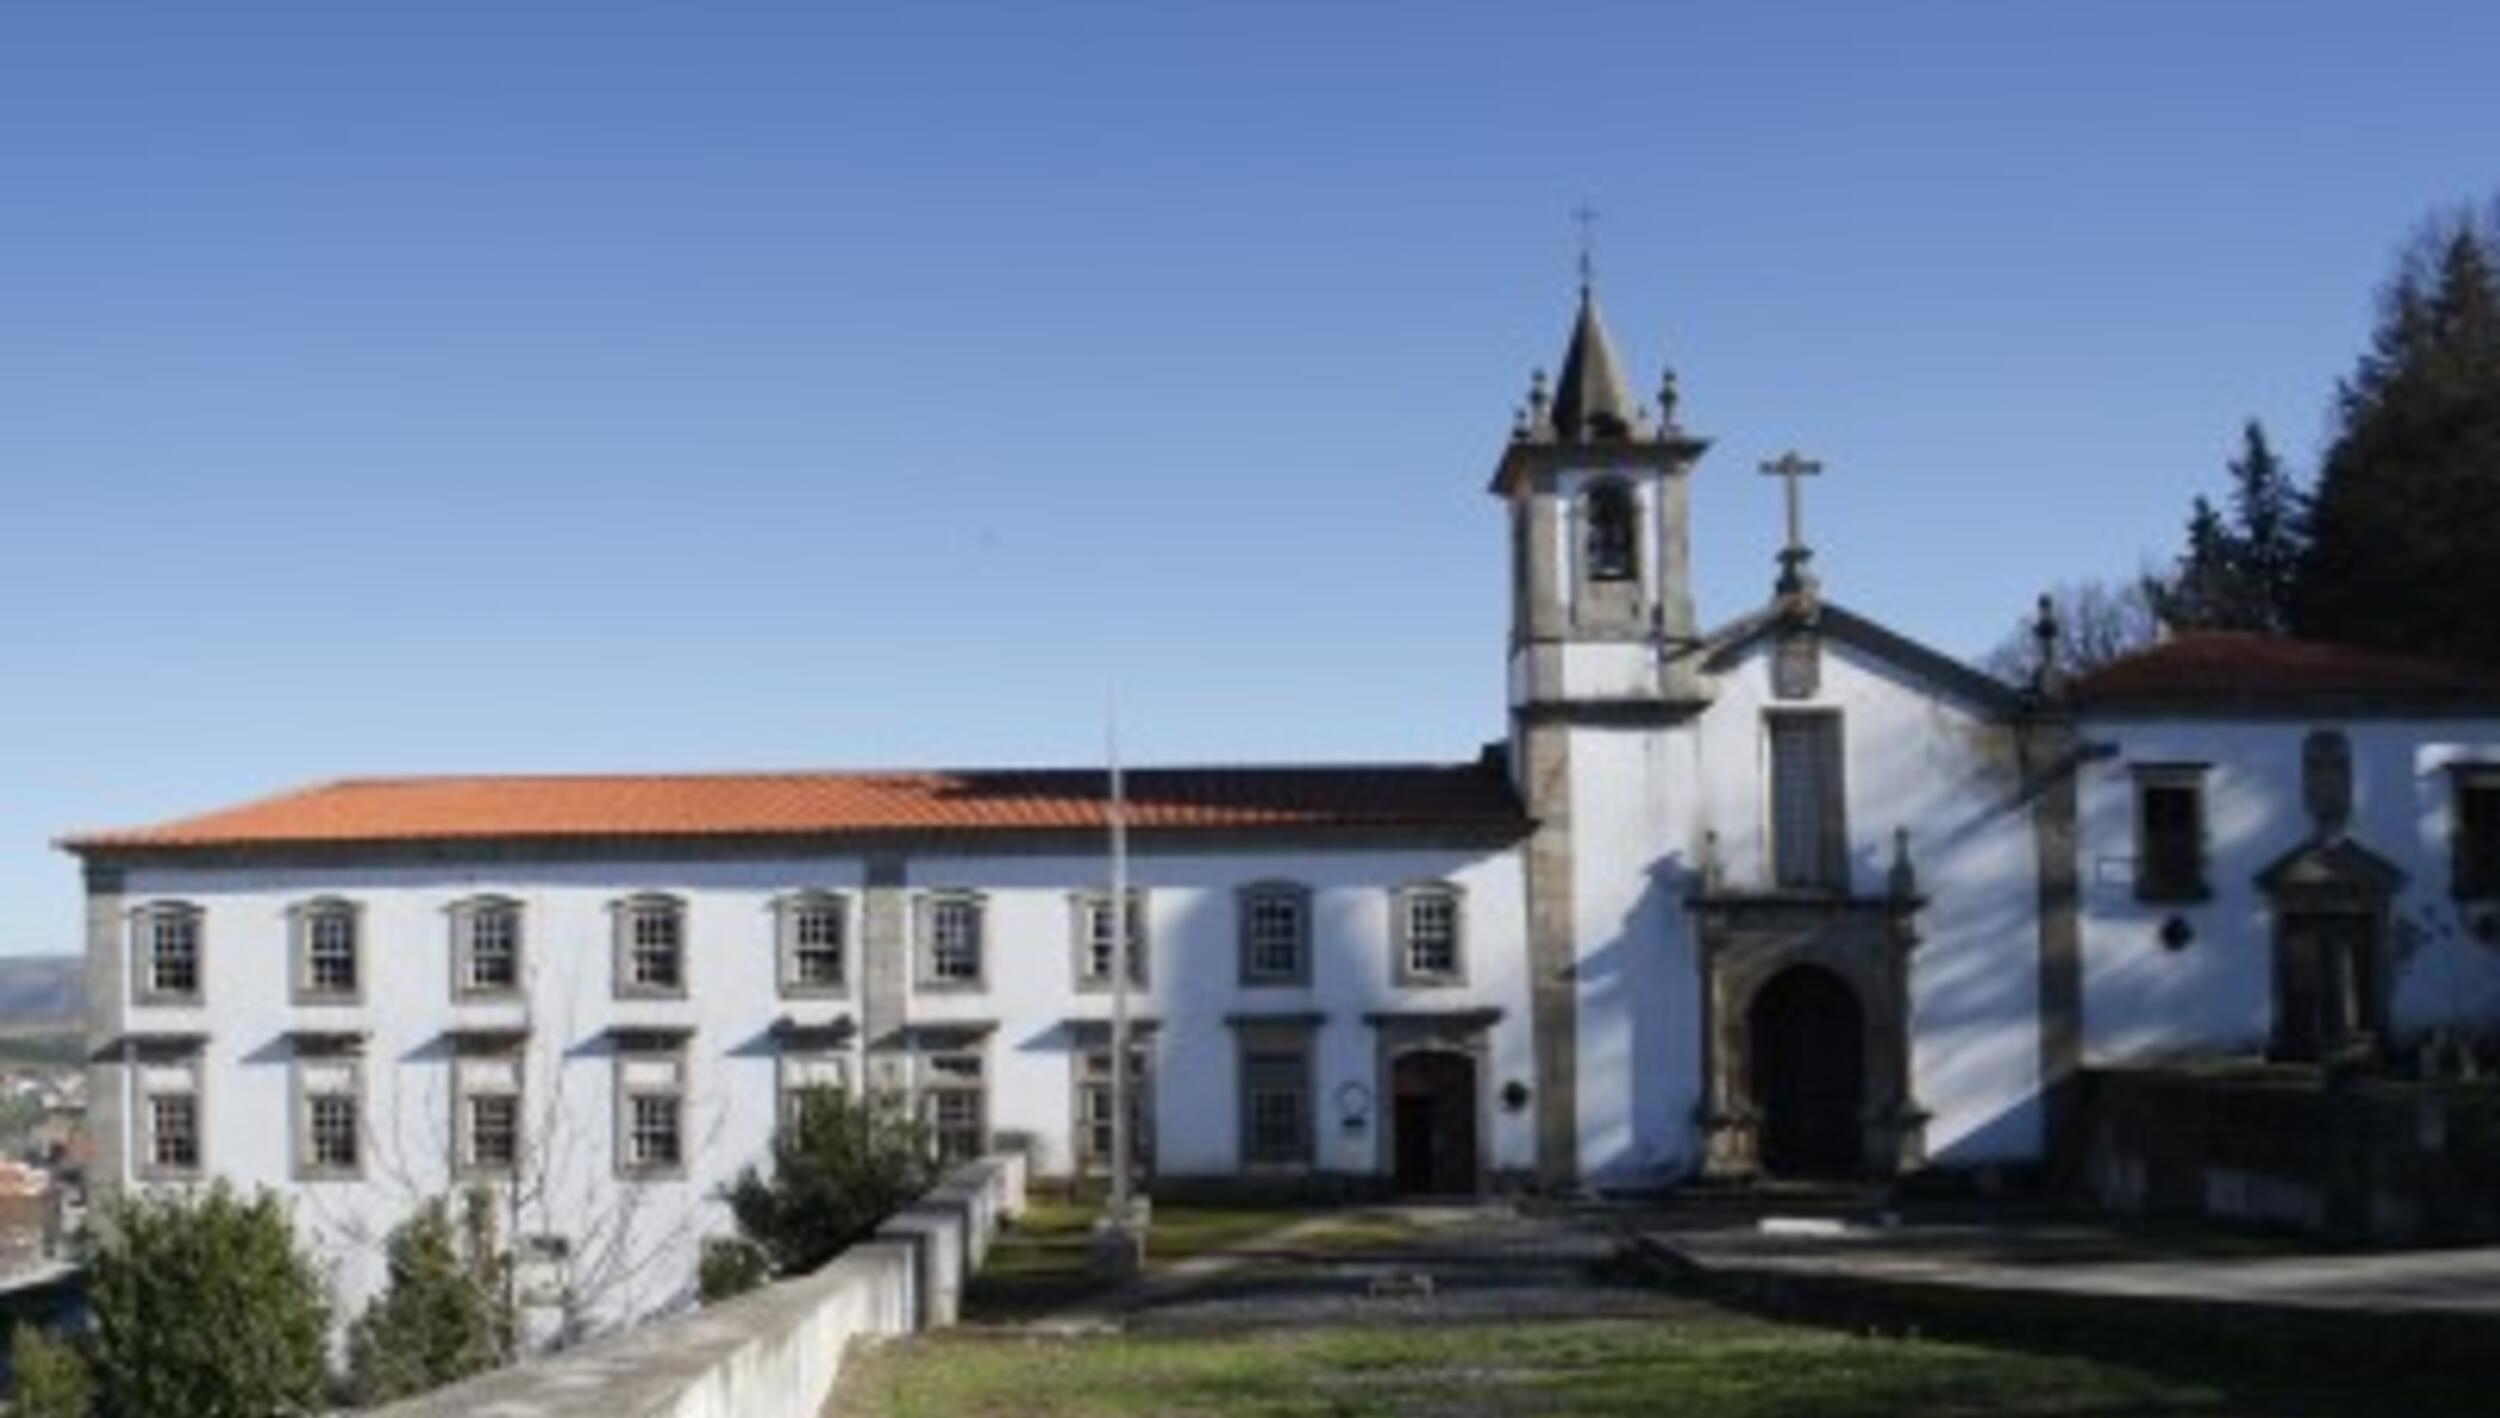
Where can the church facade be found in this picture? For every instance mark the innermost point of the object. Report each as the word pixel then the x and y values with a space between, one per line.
pixel 1790 895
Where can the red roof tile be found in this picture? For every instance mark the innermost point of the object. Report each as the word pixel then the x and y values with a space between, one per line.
pixel 2224 668
pixel 376 810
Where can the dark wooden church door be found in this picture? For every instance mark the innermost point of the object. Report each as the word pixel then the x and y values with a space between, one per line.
pixel 1809 1073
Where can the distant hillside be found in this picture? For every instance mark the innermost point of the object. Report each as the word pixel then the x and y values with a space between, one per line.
pixel 42 994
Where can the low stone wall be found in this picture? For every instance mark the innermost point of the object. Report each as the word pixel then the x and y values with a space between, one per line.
pixel 774 1353
pixel 2362 1158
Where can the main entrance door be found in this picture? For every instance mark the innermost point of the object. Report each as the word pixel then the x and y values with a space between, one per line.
pixel 1433 1094
pixel 1809 1072
pixel 2327 993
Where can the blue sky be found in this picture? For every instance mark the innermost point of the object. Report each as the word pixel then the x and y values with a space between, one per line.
pixel 443 386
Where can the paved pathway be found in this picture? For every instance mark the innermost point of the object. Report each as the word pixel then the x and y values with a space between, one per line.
pixel 2043 1259
pixel 1455 1263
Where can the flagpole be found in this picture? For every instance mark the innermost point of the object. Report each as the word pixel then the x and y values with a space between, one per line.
pixel 1120 946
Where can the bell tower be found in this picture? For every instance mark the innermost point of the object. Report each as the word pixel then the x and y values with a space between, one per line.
pixel 1603 659
pixel 1601 573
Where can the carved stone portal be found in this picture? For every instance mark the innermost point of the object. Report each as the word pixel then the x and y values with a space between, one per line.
pixel 1806 1017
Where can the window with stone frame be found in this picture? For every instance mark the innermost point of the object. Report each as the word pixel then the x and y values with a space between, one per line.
pixel 1275 934
pixel 651 946
pixel 171 1113
pixel 954 1103
pixel 487 1117
pixel 951 944
pixel 650 1106
pixel 2170 832
pixel 1094 1109
pixel 167 935
pixel 2476 831
pixel 1276 1101
pixel 1429 923
pixel 486 947
pixel 328 966
pixel 1808 802
pixel 173 1124
pixel 329 1110
pixel 1611 521
pixel 813 928
pixel 1097 938
pixel 809 1073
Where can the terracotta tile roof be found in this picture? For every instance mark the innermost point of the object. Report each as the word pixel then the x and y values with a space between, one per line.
pixel 380 810
pixel 2230 668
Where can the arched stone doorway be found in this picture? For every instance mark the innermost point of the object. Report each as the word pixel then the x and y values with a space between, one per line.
pixel 1433 1122
pixel 1809 1072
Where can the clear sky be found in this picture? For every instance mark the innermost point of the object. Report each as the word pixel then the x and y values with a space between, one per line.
pixel 392 388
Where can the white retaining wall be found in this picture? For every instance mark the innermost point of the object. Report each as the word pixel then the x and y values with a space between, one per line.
pixel 777 1352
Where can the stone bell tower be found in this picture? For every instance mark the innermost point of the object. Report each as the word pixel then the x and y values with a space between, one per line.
pixel 1602 642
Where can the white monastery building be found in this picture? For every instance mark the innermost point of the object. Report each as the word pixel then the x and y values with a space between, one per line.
pixel 1792 895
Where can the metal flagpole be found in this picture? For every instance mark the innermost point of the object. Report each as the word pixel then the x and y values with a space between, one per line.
pixel 1120 1140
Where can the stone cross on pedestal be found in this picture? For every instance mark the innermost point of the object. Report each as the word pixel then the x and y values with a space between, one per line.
pixel 1790 467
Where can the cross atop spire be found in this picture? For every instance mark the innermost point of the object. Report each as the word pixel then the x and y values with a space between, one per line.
pixel 1790 467
pixel 1586 216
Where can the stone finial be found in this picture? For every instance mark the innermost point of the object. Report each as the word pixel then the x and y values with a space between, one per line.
pixel 1668 397
pixel 2048 673
pixel 1540 400
pixel 1903 880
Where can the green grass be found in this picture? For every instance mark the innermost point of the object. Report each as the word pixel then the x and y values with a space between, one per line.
pixel 1689 1361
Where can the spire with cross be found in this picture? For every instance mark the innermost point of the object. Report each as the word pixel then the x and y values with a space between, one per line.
pixel 1792 467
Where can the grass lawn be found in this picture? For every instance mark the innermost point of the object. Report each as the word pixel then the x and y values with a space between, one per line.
pixel 1690 1362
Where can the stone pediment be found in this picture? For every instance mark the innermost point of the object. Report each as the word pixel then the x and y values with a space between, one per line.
pixel 2333 867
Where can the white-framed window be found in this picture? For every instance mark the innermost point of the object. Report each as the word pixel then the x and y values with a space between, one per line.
pixel 166 937
pixel 486 947
pixel 1430 934
pixel 328 964
pixel 1096 928
pixel 1275 934
pixel 651 946
pixel 486 1109
pixel 493 1132
pixel 954 1101
pixel 650 1107
pixel 808 1074
pixel 814 932
pixel 951 940
pixel 172 1117
pixel 1094 1108
pixel 173 1124
pixel 329 1111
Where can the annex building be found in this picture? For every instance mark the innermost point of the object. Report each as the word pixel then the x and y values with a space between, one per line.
pixel 1787 893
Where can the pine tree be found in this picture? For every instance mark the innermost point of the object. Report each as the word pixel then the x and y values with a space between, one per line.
pixel 205 1306
pixel 2238 571
pixel 2401 551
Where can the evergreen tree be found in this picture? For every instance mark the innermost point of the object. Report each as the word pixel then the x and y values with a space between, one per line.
pixel 2239 572
pixel 203 1306
pixel 446 1313
pixel 839 1168
pixel 2401 551
pixel 48 1376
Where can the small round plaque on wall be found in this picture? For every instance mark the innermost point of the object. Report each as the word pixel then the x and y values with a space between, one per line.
pixel 2176 933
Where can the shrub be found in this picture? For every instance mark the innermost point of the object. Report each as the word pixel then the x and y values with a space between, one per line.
pixel 838 1169
pixel 204 1307
pixel 732 1266
pixel 446 1313
pixel 51 1376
